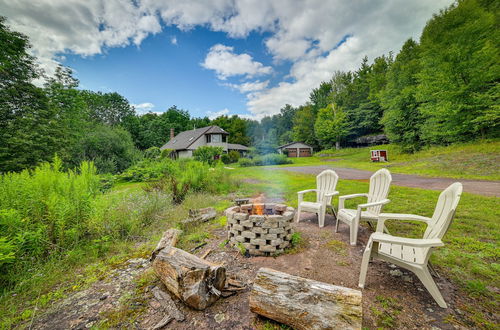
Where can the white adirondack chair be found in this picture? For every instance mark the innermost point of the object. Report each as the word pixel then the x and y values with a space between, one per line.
pixel 410 253
pixel 380 182
pixel 326 182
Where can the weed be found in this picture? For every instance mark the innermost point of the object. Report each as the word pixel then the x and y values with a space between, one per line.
pixel 385 316
pixel 241 248
pixel 337 247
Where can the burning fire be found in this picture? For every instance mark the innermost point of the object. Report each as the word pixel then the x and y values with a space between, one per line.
pixel 258 209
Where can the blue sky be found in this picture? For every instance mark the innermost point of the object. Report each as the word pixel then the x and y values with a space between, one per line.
pixel 230 56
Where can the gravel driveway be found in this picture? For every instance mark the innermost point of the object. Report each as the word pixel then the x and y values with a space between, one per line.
pixel 485 188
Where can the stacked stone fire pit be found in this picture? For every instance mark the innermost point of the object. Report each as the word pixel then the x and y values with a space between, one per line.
pixel 264 229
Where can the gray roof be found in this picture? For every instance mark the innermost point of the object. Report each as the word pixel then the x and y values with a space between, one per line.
pixel 184 139
pixel 286 145
pixel 235 146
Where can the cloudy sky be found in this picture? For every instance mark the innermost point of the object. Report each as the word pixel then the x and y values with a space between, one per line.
pixel 246 57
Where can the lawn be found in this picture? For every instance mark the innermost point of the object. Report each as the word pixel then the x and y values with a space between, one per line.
pixel 470 256
pixel 478 160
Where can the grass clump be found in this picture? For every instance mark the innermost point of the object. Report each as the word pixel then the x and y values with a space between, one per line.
pixel 269 159
pixel 386 311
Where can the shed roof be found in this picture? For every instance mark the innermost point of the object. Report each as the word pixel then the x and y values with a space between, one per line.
pixel 235 146
pixel 289 144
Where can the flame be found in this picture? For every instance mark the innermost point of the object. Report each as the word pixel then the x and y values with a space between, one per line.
pixel 258 209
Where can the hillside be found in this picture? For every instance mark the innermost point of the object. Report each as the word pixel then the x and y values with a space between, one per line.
pixel 478 160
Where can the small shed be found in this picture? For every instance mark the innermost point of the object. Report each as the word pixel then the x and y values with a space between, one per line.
pixel 296 149
pixel 379 156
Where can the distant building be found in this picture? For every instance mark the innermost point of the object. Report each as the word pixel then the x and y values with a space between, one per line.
pixel 186 142
pixel 296 149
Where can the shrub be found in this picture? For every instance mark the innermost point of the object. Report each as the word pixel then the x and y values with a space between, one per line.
pixel 225 159
pixel 152 153
pixel 269 159
pixel 167 153
pixel 207 154
pixel 234 156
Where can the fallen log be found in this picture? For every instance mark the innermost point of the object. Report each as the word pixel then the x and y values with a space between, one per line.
pixel 169 238
pixel 200 215
pixel 168 304
pixel 197 282
pixel 303 303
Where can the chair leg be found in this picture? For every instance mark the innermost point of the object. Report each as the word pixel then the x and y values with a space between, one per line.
pixel 353 233
pixel 298 214
pixel 321 217
pixel 364 267
pixel 427 280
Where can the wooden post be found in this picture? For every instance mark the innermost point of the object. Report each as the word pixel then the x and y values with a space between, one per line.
pixel 303 303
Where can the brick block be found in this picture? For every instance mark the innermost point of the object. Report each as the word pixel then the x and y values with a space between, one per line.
pixel 270 236
pixel 267 248
pixel 247 223
pixel 268 224
pixel 258 241
pixel 276 242
pixel 240 216
pixel 260 230
pixel 288 237
pixel 256 252
pixel 289 208
pixel 248 246
pixel 237 227
pixel 240 239
pixel 248 234
pixel 284 245
pixel 273 218
pixel 257 218
pixel 280 207
pixel 288 215
pixel 246 207
pixel 276 230
pixel 270 206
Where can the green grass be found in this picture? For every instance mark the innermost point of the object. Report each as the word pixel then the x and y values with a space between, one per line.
pixel 470 256
pixel 478 160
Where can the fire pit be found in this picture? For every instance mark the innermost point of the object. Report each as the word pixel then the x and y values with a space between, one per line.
pixel 262 228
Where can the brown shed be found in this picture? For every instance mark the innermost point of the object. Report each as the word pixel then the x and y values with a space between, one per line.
pixel 296 149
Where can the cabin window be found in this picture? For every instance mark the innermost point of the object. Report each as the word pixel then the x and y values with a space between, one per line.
pixel 224 138
pixel 209 138
pixel 216 138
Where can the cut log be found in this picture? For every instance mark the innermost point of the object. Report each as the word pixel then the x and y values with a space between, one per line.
pixel 303 303
pixel 200 215
pixel 169 238
pixel 195 281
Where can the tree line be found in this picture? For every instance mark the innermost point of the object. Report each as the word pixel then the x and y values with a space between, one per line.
pixel 439 90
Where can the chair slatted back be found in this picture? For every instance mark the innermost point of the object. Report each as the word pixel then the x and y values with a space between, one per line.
pixel 326 182
pixel 444 211
pixel 380 183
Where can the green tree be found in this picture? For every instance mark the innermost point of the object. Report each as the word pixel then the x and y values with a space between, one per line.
pixel 331 126
pixel 107 108
pixel 402 119
pixel 459 80
pixel 28 126
pixel 303 125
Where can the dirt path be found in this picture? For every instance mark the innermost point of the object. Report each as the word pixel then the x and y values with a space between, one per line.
pixel 485 188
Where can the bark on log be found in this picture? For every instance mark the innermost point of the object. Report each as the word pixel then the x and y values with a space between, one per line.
pixel 197 282
pixel 169 238
pixel 303 303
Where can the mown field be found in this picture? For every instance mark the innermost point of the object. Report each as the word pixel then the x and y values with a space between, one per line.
pixel 478 160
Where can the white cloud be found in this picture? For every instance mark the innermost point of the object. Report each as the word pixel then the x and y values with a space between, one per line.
pixel 306 33
pixel 173 40
pixel 249 86
pixel 143 108
pixel 214 114
pixel 226 63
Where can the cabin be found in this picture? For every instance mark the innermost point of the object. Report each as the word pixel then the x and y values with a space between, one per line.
pixel 186 142
pixel 296 149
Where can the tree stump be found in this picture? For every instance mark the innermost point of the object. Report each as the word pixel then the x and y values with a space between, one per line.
pixel 196 282
pixel 303 303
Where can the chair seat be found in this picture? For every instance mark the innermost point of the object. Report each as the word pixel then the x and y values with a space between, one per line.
pixel 348 215
pixel 310 206
pixel 415 255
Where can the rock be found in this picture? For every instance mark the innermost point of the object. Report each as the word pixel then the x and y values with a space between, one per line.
pixel 396 272
pixel 407 278
pixel 219 317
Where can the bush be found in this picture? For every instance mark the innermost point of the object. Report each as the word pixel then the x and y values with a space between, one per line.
pixel 208 154
pixel 152 153
pixel 225 159
pixel 234 156
pixel 269 159
pixel 167 153
pixel 146 170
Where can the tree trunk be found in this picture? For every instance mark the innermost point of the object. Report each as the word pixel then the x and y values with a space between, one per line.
pixel 303 303
pixel 337 145
pixel 195 281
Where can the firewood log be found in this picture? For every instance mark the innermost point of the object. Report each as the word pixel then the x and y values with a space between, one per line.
pixel 303 303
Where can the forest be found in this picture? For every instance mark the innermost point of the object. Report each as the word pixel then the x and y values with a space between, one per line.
pixel 439 90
